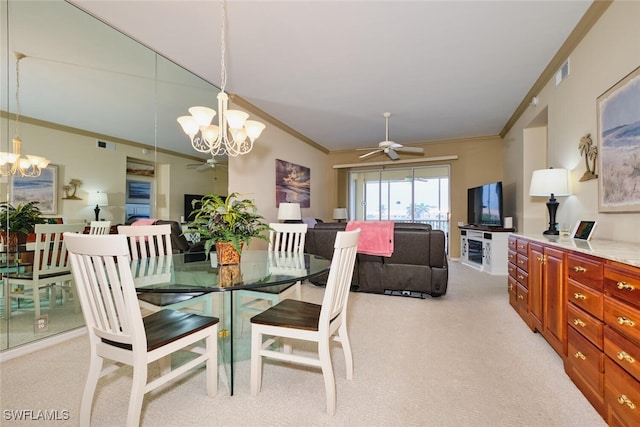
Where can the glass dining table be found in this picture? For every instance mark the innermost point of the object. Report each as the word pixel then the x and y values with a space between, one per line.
pixel 214 285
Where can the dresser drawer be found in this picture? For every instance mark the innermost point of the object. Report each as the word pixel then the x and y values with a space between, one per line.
pixel 622 318
pixel 522 261
pixel 590 327
pixel 522 296
pixel 522 277
pixel 512 241
pixel 622 394
pixel 588 360
pixel 586 298
pixel 511 266
pixel 622 351
pixel 522 246
pixel 586 270
pixel 512 288
pixel 622 283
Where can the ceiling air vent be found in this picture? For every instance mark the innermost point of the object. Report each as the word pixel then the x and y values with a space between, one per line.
pixel 105 145
pixel 563 72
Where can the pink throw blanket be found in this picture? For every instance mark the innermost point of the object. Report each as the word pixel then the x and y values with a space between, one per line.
pixel 376 237
pixel 144 221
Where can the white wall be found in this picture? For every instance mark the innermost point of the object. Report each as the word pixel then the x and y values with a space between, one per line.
pixel 610 51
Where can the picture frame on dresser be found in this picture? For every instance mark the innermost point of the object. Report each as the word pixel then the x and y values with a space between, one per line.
pixel 584 230
pixel 618 111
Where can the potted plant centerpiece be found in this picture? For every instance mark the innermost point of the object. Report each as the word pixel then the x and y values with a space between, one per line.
pixel 17 222
pixel 228 223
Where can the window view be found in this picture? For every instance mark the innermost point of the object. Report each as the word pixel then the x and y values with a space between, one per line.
pixel 418 194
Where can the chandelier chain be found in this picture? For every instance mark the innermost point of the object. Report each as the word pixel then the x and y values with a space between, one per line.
pixel 223 47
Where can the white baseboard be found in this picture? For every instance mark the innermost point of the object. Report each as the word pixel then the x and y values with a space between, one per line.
pixel 40 344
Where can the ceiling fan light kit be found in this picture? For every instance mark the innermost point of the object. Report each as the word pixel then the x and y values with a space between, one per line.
pixel 390 148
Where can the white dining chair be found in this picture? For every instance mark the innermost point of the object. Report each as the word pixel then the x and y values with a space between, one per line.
pixel 283 239
pixel 118 332
pixel 299 320
pixel 100 227
pixel 50 267
pixel 154 241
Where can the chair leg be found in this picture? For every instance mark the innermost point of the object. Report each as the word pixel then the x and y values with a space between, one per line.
pixel 95 367
pixel 7 300
pixel 327 373
pixel 256 360
pixel 212 364
pixel 137 394
pixel 346 349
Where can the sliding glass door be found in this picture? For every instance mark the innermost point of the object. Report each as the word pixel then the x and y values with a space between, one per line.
pixel 419 194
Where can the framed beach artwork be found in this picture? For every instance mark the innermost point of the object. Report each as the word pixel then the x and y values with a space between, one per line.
pixel 42 189
pixel 619 146
pixel 293 184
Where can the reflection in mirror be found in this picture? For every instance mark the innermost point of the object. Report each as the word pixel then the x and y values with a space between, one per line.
pixel 92 101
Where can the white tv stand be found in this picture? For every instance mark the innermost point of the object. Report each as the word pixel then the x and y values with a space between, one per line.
pixel 485 248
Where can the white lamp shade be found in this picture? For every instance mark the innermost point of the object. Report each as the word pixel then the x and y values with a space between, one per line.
pixel 189 125
pixel 545 182
pixel 98 198
pixel 254 129
pixel 236 118
pixel 289 211
pixel 340 213
pixel 202 115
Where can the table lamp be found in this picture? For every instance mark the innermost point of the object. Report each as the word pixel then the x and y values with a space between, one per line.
pixel 550 182
pixel 98 199
pixel 289 213
pixel 340 214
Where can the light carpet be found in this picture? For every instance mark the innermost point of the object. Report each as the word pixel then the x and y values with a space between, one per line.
pixel 464 359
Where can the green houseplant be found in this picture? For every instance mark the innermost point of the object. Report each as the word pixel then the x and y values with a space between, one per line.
pixel 16 222
pixel 232 219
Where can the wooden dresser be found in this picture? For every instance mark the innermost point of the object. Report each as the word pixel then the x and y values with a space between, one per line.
pixel 586 303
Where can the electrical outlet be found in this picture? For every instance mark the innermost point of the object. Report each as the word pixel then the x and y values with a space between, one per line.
pixel 42 323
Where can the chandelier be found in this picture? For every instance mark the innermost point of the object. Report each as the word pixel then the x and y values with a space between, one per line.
pixel 13 163
pixel 234 135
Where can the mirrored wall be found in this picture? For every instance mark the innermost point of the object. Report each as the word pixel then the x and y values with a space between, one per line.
pixel 92 101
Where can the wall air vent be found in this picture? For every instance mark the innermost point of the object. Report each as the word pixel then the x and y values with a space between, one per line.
pixel 105 145
pixel 563 72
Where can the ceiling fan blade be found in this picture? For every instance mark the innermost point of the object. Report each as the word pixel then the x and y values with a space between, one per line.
pixel 392 154
pixel 367 148
pixel 204 167
pixel 411 149
pixel 362 156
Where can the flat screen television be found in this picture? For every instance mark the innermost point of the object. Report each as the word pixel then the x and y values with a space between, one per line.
pixel 484 205
pixel 188 207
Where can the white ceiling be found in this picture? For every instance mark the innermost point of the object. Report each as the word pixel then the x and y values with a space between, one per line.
pixel 329 69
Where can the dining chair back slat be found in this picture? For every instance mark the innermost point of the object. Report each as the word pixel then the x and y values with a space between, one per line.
pixel 287 237
pixel 100 227
pixel 147 241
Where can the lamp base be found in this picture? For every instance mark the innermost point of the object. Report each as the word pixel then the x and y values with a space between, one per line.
pixel 97 211
pixel 552 206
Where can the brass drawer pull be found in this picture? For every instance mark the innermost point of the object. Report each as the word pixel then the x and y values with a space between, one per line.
pixel 520 261
pixel 624 321
pixel 579 322
pixel 510 287
pixel 541 259
pixel 624 400
pixel 624 286
pixel 623 355
pixel 579 296
pixel 520 276
pixel 520 246
pixel 579 355
pixel 520 296
pixel 579 269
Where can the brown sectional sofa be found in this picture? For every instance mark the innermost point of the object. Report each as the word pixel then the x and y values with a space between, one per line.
pixel 418 266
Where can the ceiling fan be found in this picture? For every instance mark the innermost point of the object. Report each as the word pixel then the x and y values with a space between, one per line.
pixel 390 148
pixel 211 163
